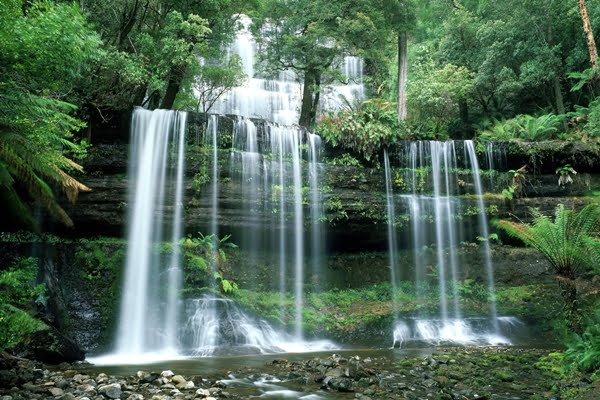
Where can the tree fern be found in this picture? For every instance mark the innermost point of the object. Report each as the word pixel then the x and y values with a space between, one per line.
pixel 41 55
pixel 570 243
pixel 564 241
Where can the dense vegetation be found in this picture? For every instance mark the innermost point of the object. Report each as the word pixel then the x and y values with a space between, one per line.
pixel 513 70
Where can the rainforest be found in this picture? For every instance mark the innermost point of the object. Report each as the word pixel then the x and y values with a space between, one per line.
pixel 299 199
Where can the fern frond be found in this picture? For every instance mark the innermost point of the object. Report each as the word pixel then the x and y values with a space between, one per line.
pixel 568 242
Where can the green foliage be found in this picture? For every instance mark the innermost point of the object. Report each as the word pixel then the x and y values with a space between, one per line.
pixel 564 174
pixel 564 241
pixel 592 120
pixel 584 351
pixel 17 294
pixel 365 131
pixel 41 55
pixel 515 189
pixel 205 262
pixel 569 243
pixel 434 93
pixel 100 259
pixel 214 79
pixel 524 127
pixel 346 159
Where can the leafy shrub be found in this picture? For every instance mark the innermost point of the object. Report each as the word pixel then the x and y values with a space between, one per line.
pixel 585 350
pixel 204 262
pixel 524 127
pixel 367 130
pixel 17 293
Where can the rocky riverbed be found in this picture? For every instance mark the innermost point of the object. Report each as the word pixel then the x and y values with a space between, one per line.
pixel 448 373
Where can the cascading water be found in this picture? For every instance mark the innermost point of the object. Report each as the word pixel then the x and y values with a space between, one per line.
pixel 391 232
pixel 278 100
pixel 429 173
pixel 149 317
pixel 316 207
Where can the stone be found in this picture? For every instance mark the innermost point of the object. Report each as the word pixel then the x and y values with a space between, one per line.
pixel 66 396
pixel 33 388
pixel 112 391
pixel 56 392
pixel 136 397
pixel 167 374
pixel 178 379
pixel 186 385
pixel 202 393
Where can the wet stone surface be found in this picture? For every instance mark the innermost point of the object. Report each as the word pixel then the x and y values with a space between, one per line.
pixel 449 373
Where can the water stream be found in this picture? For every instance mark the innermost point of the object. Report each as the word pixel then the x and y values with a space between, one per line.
pixel 429 178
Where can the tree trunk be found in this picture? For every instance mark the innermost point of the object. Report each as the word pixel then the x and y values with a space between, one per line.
pixel 569 293
pixel 307 98
pixel 558 97
pixel 402 74
pixel 172 90
pixel 463 110
pixel 317 97
pixel 587 28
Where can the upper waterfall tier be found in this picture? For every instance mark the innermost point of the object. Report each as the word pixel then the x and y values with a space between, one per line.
pixel 278 98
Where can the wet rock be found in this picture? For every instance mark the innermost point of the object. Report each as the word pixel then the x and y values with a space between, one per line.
pixel 53 347
pixel 56 392
pixel 177 379
pixel 167 374
pixel 341 384
pixel 112 391
pixel 202 393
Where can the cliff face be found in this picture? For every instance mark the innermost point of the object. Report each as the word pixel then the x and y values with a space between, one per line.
pixel 353 198
pixel 353 221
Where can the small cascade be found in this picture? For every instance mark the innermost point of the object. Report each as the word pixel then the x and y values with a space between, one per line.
pixel 278 100
pixel 217 325
pixel 316 207
pixel 484 229
pixel 464 331
pixel 489 156
pixel 269 165
pixel 430 185
pixel 149 319
pixel 391 232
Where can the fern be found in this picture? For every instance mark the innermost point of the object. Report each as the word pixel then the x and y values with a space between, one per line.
pixel 35 139
pixel 565 242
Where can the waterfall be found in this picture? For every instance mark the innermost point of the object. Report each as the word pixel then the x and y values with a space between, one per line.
pixel 484 229
pixel 278 100
pixel 316 207
pixel 391 233
pixel 430 184
pixel 149 319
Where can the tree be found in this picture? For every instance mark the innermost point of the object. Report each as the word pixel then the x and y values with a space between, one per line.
pixel 570 243
pixel 214 80
pixel 41 55
pixel 311 37
pixel 400 18
pixel 151 49
pixel 589 33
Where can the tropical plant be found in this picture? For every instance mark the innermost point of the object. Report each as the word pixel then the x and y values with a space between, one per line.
pixel 584 351
pixel 531 129
pixel 365 131
pixel 205 260
pixel 524 127
pixel 41 55
pixel 17 293
pixel 569 243
pixel 515 189
pixel 564 174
